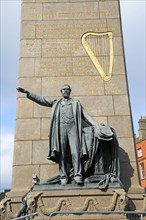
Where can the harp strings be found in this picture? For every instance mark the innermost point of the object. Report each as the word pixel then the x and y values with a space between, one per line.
pixel 105 53
pixel 100 48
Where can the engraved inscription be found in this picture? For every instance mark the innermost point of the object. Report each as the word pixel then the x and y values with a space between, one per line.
pixel 54 67
pixel 62 48
pixel 116 86
pixel 88 85
pixel 76 15
pixel 64 66
pixel 32 11
pixel 68 29
pixel 30 48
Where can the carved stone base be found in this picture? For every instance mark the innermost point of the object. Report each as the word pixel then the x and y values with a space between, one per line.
pixel 75 199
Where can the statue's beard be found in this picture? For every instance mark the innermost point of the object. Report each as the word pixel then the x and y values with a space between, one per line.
pixel 66 95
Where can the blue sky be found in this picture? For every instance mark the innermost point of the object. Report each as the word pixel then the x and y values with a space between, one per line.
pixel 133 24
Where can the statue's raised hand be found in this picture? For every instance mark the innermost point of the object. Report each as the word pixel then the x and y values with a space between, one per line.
pixel 19 89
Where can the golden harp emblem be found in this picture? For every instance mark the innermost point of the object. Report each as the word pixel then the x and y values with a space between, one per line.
pixel 99 47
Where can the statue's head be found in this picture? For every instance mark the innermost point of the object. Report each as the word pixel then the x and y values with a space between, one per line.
pixel 65 91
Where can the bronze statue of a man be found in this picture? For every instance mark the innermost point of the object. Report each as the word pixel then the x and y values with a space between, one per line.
pixel 65 131
pixel 77 142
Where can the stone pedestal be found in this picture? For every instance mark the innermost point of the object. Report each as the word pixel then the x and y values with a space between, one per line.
pixel 80 202
pixel 52 54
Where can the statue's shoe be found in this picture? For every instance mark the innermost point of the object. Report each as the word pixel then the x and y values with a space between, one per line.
pixel 78 179
pixel 64 181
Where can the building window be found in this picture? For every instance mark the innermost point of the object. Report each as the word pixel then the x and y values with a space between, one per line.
pixel 139 152
pixel 142 170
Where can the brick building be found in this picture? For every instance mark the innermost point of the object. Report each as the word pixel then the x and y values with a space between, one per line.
pixel 141 151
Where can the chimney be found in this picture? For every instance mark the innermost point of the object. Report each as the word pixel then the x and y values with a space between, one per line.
pixel 142 127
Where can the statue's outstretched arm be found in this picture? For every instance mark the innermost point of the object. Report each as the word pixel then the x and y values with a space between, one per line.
pixel 38 99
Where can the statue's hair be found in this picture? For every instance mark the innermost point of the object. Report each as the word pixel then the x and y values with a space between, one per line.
pixel 65 85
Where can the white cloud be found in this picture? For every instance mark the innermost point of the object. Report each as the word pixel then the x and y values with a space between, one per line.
pixel 7 142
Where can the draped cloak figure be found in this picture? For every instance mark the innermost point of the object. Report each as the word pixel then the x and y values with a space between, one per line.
pixel 93 158
pixel 98 144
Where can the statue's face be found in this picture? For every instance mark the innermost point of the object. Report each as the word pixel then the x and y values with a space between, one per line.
pixel 65 91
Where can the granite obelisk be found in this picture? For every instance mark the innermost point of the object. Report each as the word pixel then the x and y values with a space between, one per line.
pixel 80 43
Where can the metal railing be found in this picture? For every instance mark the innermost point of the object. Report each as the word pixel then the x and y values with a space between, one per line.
pixel 30 215
pixel 132 215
